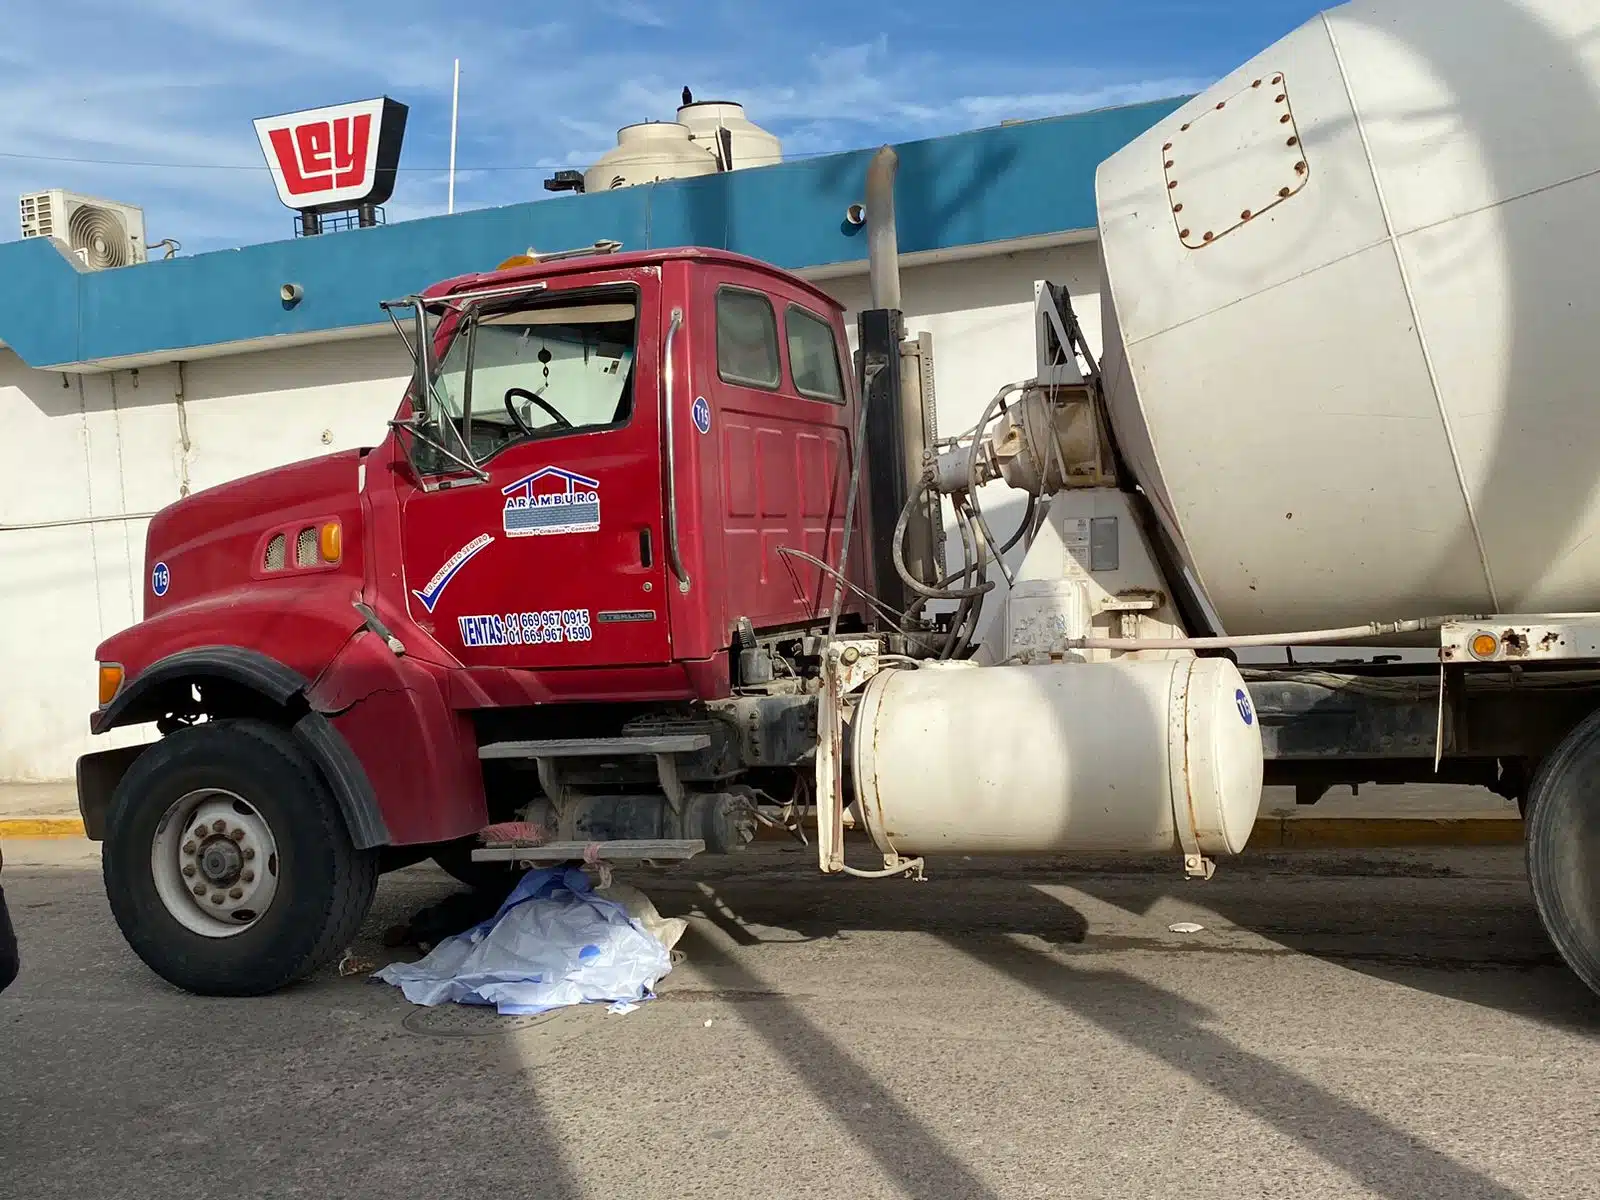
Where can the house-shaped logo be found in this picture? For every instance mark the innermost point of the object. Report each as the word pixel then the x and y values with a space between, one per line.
pixel 551 500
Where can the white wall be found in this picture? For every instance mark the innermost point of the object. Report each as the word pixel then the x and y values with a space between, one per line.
pixel 107 446
pixel 111 447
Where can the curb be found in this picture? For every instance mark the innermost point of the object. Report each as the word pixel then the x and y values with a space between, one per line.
pixel 1270 833
pixel 41 827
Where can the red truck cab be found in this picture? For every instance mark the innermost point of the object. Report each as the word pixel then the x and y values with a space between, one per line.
pixel 574 583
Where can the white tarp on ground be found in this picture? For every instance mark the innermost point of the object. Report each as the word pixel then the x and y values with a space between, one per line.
pixel 555 941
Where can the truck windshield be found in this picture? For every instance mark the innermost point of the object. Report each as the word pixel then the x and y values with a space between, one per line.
pixel 539 372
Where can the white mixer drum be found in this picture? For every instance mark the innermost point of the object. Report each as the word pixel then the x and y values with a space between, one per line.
pixel 1352 318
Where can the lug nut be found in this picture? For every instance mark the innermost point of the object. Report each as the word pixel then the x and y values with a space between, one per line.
pixel 236 893
pixel 218 825
pixel 248 877
pixel 217 897
pixel 201 832
pixel 189 870
pixel 188 847
pixel 249 854
pixel 199 889
pixel 236 834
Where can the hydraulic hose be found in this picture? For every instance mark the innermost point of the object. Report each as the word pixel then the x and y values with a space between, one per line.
pixel 915 584
pixel 972 470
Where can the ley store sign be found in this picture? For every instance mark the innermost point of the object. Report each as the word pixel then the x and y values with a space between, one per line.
pixel 340 157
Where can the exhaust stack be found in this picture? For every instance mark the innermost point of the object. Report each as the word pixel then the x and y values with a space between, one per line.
pixel 883 248
pixel 895 375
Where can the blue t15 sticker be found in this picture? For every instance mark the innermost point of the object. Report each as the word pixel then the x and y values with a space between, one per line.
pixel 160 579
pixel 1243 702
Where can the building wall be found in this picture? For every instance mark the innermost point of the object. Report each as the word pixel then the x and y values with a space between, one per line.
pixel 94 455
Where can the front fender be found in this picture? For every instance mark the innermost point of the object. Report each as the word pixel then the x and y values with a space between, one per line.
pixel 420 754
pixel 300 624
pixel 268 683
pixel 145 697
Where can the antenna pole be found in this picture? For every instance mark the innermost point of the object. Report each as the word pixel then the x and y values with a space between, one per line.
pixel 455 111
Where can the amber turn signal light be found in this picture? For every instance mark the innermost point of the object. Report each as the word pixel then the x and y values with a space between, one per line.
pixel 331 542
pixel 1484 645
pixel 110 682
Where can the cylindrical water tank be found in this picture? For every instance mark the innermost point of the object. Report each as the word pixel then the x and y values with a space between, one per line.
pixel 1351 316
pixel 1058 759
pixel 647 153
pixel 746 143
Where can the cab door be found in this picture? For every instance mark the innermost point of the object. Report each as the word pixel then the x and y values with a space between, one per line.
pixel 548 553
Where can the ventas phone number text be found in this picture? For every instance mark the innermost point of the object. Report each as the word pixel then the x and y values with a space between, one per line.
pixel 527 629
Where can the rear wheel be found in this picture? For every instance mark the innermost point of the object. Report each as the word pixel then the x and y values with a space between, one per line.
pixel 455 859
pixel 1563 841
pixel 227 864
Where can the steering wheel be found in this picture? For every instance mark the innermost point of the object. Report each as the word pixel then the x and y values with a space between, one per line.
pixel 511 408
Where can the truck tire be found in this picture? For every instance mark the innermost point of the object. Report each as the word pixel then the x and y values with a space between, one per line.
pixel 1563 845
pixel 227 864
pixel 455 860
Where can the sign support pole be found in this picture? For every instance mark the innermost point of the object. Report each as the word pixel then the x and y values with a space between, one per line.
pixel 455 109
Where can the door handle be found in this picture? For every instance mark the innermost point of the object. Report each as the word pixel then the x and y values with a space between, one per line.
pixel 645 555
pixel 669 378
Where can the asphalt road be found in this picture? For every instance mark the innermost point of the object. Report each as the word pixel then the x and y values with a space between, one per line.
pixel 1389 1025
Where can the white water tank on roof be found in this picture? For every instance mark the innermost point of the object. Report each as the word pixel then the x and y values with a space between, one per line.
pixel 646 153
pixel 745 143
pixel 1352 320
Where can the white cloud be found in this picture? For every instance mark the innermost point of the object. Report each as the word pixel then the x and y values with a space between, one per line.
pixel 635 12
pixel 183 84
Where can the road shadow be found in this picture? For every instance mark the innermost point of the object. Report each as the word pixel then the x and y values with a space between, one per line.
pixel 756 908
pixel 1419 922
pixel 983 924
pixel 916 1159
pixel 1382 1158
pixel 333 1087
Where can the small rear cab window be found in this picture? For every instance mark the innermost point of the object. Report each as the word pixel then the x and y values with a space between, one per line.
pixel 813 355
pixel 747 339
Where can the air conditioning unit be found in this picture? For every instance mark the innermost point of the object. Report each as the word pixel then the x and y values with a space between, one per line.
pixel 99 233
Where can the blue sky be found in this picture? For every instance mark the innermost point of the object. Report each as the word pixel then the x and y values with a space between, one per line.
pixel 545 86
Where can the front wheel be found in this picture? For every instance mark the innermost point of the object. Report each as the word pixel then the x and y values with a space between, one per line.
pixel 227 864
pixel 1563 838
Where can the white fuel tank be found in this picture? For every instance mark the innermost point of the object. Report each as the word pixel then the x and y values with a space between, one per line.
pixel 1352 318
pixel 1058 759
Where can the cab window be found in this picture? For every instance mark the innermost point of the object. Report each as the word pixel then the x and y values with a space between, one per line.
pixel 813 356
pixel 747 339
pixel 540 372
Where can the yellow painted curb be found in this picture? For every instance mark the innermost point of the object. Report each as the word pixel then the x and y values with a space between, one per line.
pixel 40 827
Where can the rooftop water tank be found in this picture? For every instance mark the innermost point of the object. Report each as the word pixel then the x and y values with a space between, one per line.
pixel 646 153
pixel 746 144
pixel 1351 322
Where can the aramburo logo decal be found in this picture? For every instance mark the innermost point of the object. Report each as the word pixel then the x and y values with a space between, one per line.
pixel 552 500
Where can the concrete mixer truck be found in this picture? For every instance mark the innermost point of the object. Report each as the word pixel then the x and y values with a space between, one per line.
pixel 644 563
